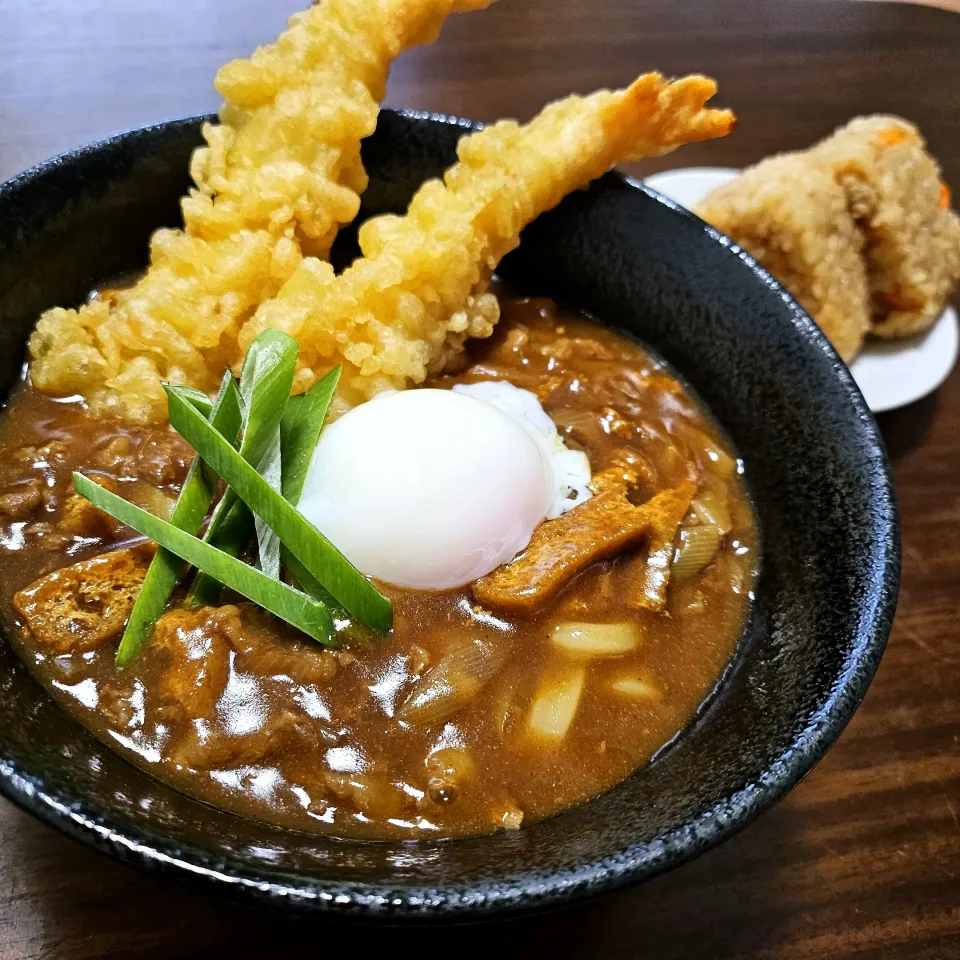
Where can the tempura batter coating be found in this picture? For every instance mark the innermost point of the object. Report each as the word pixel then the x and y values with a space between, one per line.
pixel 895 194
pixel 280 173
pixel 791 215
pixel 404 309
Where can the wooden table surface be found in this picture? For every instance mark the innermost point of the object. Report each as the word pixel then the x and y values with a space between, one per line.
pixel 863 859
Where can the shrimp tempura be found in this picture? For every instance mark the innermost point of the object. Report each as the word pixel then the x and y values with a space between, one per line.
pixel 280 173
pixel 406 308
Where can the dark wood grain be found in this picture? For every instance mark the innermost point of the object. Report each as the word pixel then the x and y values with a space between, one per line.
pixel 863 859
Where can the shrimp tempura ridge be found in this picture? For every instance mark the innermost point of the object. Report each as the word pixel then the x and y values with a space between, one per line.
pixel 280 173
pixel 405 309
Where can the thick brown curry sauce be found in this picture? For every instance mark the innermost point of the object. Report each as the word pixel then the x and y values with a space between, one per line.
pixel 235 708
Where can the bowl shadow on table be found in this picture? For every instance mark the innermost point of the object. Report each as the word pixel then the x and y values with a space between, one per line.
pixel 731 902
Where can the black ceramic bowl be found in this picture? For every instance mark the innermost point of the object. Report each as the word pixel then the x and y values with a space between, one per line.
pixel 815 465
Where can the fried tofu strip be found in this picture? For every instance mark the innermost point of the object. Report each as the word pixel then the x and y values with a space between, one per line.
pixel 599 529
pixel 647 574
pixel 406 307
pixel 280 173
pixel 86 604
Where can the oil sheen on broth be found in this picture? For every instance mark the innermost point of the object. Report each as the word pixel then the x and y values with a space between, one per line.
pixel 234 707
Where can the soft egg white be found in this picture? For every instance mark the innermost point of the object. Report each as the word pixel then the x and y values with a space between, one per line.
pixel 432 489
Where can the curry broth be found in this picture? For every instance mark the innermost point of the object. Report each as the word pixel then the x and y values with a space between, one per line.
pixel 237 709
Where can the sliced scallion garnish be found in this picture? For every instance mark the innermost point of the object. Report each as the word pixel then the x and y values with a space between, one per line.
pixel 200 400
pixel 285 467
pixel 308 583
pixel 300 430
pixel 348 586
pixel 188 514
pixel 268 544
pixel 296 608
pixel 265 383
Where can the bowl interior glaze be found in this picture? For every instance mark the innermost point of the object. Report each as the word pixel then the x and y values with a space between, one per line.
pixel 814 462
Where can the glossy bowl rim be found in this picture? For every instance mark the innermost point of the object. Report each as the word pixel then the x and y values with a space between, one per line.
pixel 524 892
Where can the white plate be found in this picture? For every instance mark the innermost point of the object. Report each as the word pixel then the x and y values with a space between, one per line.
pixel 889 373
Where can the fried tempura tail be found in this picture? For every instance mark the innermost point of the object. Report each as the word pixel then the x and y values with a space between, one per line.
pixel 287 149
pixel 405 309
pixel 574 141
pixel 280 174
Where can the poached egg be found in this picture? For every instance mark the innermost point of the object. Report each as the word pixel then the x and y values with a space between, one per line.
pixel 431 489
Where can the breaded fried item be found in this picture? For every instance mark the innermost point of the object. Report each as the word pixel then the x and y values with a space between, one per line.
pixel 598 529
pixel 859 228
pixel 280 173
pixel 791 215
pixel 86 604
pixel 406 307
pixel 912 237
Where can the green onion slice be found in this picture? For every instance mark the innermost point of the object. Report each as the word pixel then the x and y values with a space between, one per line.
pixel 304 541
pixel 300 430
pixel 291 605
pixel 188 514
pixel 308 583
pixel 200 400
pixel 268 543
pixel 265 383
pixel 286 462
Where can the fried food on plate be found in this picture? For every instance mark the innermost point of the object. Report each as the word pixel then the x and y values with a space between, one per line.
pixel 859 228
pixel 895 194
pixel 280 173
pixel 791 215
pixel 406 307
